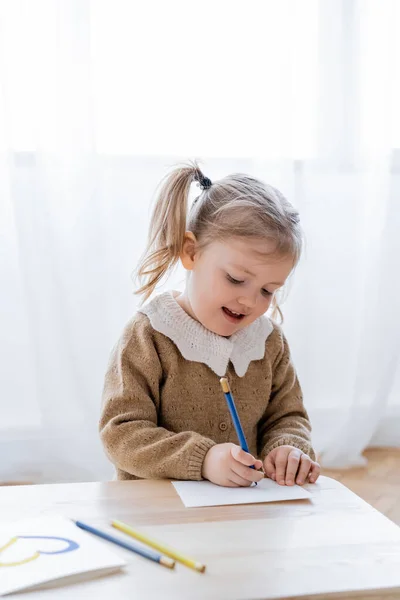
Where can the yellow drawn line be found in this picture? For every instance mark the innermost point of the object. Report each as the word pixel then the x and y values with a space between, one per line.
pixel 20 562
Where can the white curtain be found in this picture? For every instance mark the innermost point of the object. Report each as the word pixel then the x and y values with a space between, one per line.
pixel 97 100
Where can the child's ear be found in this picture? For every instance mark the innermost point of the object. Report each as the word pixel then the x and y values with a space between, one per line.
pixel 188 251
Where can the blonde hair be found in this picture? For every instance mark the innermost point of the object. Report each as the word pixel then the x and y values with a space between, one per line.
pixel 238 206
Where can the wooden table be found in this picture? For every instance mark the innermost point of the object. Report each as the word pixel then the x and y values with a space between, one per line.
pixel 334 544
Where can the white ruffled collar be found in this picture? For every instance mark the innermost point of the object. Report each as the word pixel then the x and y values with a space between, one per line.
pixel 198 344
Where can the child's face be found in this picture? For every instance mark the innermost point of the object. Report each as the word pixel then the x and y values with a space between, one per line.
pixel 231 284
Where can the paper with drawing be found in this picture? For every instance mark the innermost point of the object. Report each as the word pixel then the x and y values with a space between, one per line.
pixel 204 493
pixel 37 551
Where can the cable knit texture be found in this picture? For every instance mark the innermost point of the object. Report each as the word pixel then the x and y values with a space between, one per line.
pixel 163 407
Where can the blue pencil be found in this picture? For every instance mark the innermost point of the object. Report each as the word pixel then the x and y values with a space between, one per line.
pixel 234 414
pixel 146 552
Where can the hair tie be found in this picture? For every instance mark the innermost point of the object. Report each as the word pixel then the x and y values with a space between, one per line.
pixel 204 182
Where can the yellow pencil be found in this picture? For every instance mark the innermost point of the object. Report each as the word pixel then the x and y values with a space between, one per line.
pixel 193 564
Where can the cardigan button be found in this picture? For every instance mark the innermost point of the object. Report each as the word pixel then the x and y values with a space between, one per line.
pixel 223 426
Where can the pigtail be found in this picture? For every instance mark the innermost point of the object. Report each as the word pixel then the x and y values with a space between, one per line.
pixel 167 228
pixel 276 312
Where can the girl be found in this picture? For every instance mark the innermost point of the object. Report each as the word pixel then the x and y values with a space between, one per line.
pixel 164 414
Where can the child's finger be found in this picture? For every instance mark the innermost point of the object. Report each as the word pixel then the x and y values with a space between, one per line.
pixel 250 475
pixel 304 469
pixel 238 480
pixel 269 467
pixel 314 472
pixel 229 483
pixel 245 458
pixel 292 466
pixel 280 464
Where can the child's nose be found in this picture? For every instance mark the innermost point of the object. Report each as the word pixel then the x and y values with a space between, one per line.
pixel 247 301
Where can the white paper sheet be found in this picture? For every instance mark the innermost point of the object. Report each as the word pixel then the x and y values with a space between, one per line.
pixel 204 493
pixel 77 553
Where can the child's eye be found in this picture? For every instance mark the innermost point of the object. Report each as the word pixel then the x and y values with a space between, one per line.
pixel 232 279
pixel 266 292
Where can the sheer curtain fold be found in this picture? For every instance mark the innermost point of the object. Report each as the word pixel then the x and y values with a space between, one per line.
pixel 97 101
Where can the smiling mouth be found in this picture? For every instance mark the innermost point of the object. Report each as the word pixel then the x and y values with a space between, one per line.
pixel 232 315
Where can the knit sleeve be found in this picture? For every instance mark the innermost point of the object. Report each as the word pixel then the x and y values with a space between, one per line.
pixel 128 425
pixel 285 421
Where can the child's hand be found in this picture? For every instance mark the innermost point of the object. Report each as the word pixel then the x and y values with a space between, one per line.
pixel 228 465
pixel 288 465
